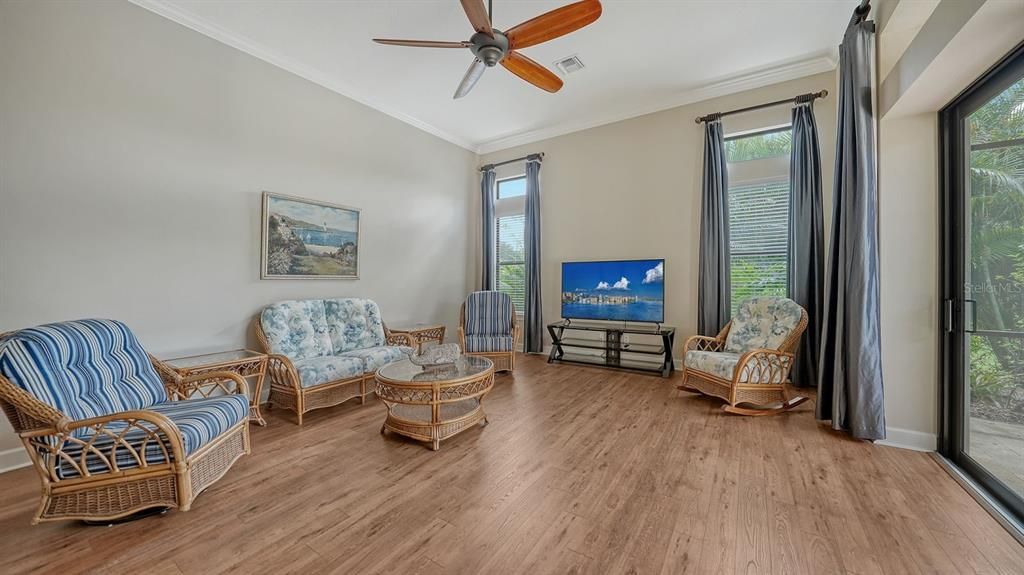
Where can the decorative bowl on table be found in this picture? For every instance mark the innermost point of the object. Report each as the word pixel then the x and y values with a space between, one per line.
pixel 437 355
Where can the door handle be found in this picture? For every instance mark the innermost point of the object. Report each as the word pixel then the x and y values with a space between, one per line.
pixel 947 316
pixel 973 316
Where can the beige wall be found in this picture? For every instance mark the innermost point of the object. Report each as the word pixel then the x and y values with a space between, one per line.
pixel 134 152
pixel 908 247
pixel 632 189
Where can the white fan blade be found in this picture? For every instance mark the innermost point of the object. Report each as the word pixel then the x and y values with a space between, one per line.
pixel 476 69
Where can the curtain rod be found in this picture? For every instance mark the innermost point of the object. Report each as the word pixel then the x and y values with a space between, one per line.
pixel 512 161
pixel 796 99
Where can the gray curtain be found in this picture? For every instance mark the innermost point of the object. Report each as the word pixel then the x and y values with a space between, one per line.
pixel 714 285
pixel 850 382
pixel 487 180
pixel 806 239
pixel 533 320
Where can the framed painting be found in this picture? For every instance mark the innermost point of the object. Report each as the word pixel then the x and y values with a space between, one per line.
pixel 308 239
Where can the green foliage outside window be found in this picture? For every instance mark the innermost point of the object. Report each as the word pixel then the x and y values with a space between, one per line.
pixel 996 253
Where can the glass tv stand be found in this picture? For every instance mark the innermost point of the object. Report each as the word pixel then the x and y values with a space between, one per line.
pixel 653 354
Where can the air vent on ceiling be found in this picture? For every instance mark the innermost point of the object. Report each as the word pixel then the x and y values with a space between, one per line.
pixel 570 64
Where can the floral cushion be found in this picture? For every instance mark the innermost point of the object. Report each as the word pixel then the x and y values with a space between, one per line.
pixel 374 358
pixel 297 329
pixel 488 343
pixel 314 371
pixel 723 364
pixel 353 323
pixel 762 323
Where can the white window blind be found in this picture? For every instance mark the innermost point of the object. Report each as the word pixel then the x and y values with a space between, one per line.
pixel 758 240
pixel 510 249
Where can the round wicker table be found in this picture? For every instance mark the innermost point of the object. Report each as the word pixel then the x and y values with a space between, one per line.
pixel 432 404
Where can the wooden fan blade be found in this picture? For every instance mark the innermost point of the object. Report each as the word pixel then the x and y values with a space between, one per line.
pixel 477 14
pixel 422 43
pixel 476 69
pixel 553 24
pixel 532 72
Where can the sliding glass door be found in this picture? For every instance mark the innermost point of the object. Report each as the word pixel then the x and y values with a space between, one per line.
pixel 983 283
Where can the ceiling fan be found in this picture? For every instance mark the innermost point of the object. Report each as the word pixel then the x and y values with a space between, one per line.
pixel 491 46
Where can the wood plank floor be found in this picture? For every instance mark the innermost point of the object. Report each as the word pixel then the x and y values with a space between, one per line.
pixel 580 471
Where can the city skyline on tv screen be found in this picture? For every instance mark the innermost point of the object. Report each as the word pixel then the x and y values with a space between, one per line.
pixel 628 290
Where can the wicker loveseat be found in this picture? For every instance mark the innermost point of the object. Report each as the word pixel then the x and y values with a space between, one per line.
pixel 325 351
pixel 488 328
pixel 749 361
pixel 112 431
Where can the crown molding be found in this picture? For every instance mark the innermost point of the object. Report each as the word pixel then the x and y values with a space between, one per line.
pixel 824 62
pixel 194 22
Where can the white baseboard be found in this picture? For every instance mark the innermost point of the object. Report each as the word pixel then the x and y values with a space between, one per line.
pixel 909 439
pixel 15 458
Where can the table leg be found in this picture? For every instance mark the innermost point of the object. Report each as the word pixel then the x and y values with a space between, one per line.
pixel 254 406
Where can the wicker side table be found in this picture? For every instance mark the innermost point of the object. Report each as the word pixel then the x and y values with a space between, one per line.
pixel 422 334
pixel 434 404
pixel 249 364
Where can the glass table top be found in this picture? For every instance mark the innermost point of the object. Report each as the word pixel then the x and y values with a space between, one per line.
pixel 212 358
pixel 405 370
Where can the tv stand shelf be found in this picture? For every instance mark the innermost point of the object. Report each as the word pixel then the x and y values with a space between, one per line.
pixel 613 346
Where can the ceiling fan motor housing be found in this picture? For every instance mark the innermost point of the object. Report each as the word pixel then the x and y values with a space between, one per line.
pixel 489 50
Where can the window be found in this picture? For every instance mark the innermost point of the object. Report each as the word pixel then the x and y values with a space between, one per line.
pixel 758 240
pixel 759 214
pixel 509 239
pixel 766 144
pixel 511 258
pixel 512 188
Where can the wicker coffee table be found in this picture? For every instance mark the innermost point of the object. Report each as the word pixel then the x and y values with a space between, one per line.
pixel 432 404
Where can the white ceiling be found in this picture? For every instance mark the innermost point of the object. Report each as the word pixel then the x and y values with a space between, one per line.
pixel 640 56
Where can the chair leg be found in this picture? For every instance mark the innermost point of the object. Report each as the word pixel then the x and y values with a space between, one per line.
pixel 754 411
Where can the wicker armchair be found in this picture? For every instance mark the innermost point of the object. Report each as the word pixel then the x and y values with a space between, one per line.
pixel 749 361
pixel 488 328
pixel 111 430
pixel 325 352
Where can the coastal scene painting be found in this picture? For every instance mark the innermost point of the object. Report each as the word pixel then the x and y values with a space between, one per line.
pixel 309 239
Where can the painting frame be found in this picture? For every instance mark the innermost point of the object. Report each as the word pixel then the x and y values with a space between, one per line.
pixel 267 211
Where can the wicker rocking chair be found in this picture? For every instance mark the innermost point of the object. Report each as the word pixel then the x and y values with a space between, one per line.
pixel 111 430
pixel 749 361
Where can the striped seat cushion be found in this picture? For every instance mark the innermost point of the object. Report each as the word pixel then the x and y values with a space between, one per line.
pixel 85 368
pixel 488 313
pixel 200 421
pixel 487 343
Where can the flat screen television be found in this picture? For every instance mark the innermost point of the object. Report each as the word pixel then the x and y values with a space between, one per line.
pixel 625 290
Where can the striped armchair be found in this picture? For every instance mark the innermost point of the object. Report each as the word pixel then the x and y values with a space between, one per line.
pixel 111 430
pixel 488 328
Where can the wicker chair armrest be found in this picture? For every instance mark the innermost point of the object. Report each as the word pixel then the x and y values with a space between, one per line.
pixel 282 371
pixel 769 366
pixel 462 339
pixel 129 435
pixel 517 335
pixel 703 343
pixel 405 339
pixel 208 384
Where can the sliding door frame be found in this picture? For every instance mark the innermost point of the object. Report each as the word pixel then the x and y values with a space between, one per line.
pixel 953 243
